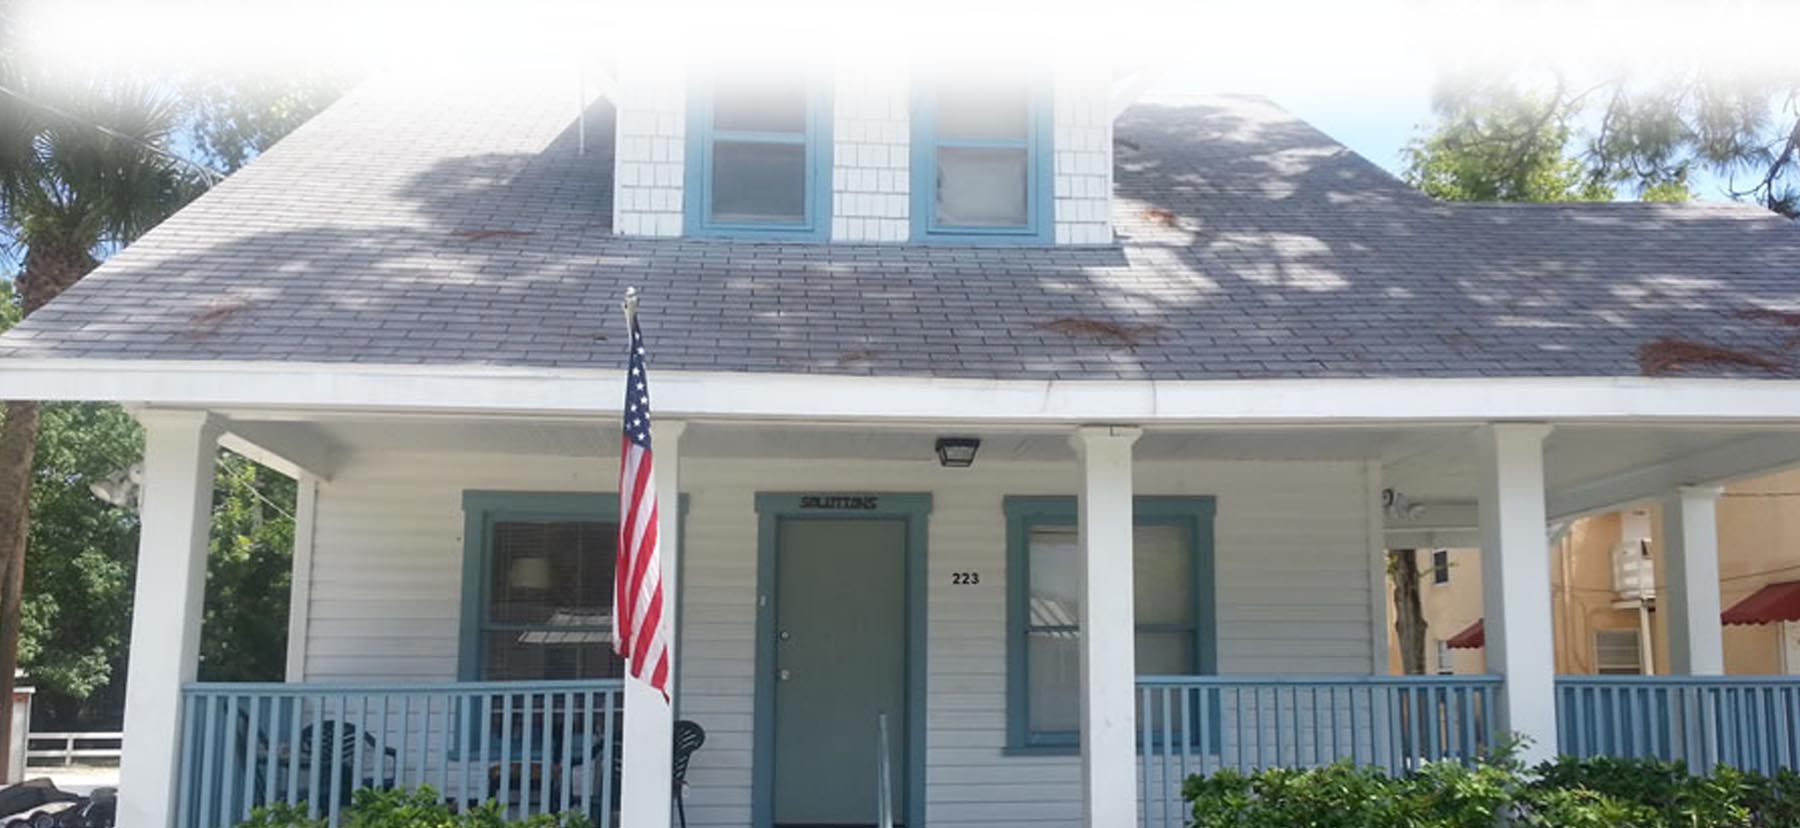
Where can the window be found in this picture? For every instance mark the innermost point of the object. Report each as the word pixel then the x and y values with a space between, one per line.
pixel 538 586
pixel 1616 652
pixel 1172 594
pixel 759 156
pixel 1440 567
pixel 981 161
pixel 1445 664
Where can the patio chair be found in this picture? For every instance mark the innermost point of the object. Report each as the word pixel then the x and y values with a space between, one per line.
pixel 340 743
pixel 689 736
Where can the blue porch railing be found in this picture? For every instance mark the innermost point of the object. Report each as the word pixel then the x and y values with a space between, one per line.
pixel 538 747
pixel 1199 724
pixel 1749 723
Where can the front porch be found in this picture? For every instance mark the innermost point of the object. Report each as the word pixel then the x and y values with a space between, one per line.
pixel 440 635
pixel 551 747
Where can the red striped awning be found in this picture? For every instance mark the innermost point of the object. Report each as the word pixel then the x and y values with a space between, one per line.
pixel 1772 603
pixel 1473 637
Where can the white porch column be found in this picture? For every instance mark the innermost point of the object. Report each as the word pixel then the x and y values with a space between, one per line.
pixel 649 728
pixel 1515 576
pixel 180 449
pixel 1691 553
pixel 1108 636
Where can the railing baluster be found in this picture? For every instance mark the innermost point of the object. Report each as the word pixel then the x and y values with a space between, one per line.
pixel 606 774
pixel 190 716
pixel 568 749
pixel 544 756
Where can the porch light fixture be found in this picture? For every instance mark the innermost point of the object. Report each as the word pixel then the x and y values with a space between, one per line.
pixel 957 452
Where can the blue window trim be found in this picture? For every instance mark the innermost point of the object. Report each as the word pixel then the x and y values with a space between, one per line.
pixel 772 508
pixel 1040 225
pixel 1025 512
pixel 697 198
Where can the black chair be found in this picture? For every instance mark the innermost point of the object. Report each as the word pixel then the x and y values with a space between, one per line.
pixel 689 736
pixel 340 742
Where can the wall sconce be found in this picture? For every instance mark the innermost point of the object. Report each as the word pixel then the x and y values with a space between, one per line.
pixel 957 452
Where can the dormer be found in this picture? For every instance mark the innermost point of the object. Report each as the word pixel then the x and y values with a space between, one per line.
pixel 862 153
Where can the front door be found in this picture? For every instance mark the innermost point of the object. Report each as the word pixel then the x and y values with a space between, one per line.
pixel 840 662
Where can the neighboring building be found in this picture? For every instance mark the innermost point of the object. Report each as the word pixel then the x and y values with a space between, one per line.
pixel 1196 340
pixel 1604 585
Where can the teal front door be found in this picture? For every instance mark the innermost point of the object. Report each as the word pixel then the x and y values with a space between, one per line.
pixel 840 662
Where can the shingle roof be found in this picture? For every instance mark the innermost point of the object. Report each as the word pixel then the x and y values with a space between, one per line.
pixel 460 226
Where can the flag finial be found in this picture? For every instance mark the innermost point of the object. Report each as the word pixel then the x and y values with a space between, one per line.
pixel 630 304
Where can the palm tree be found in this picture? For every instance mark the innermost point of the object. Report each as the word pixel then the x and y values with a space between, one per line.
pixel 84 168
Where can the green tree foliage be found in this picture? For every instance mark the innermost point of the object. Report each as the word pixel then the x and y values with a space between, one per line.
pixel 1498 137
pixel 77 612
pixel 248 573
pixel 1499 146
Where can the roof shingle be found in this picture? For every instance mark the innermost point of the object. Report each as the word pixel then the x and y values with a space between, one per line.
pixel 460 226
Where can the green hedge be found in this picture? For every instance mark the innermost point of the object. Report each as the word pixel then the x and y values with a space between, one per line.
pixel 1568 793
pixel 417 808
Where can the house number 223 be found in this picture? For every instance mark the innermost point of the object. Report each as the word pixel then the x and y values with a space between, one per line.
pixel 965 578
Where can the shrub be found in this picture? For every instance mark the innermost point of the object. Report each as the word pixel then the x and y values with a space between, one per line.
pixel 1567 793
pixel 417 808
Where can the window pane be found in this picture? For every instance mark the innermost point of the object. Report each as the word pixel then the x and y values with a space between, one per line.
pixel 1054 683
pixel 1163 575
pixel 983 112
pixel 981 187
pixel 515 655
pixel 1165 653
pixel 1055 578
pixel 758 182
pixel 760 103
pixel 552 573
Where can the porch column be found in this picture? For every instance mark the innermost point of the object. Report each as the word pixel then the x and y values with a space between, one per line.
pixel 1515 577
pixel 649 728
pixel 180 449
pixel 1691 553
pixel 1108 636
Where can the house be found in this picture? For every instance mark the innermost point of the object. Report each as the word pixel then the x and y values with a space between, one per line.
pixel 1195 339
pixel 1603 574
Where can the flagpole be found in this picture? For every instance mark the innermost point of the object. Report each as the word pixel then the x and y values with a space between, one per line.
pixel 648 717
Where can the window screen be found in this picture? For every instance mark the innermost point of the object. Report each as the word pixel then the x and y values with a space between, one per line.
pixel 1616 652
pixel 548 612
pixel 982 155
pixel 1163 595
pixel 758 144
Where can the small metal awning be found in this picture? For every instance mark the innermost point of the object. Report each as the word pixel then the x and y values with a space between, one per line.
pixel 1772 603
pixel 1473 637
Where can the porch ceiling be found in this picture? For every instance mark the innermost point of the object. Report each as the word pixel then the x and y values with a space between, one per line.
pixel 1587 466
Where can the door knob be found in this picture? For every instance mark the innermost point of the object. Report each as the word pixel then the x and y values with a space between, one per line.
pixel 783 635
pixel 784 675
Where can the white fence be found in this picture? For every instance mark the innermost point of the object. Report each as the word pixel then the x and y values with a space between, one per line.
pixel 65 749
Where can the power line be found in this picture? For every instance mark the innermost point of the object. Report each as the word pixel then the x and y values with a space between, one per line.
pixel 211 175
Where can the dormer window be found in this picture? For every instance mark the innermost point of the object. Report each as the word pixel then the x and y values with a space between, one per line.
pixel 981 162
pixel 759 157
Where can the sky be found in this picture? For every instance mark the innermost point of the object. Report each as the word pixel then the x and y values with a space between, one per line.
pixel 1373 116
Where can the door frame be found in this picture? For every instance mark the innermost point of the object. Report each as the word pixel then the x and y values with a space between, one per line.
pixel 771 509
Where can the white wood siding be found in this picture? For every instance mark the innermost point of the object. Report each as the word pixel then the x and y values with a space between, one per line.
pixel 1293 579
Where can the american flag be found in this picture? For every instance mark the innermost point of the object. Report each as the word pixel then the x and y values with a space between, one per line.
pixel 641 624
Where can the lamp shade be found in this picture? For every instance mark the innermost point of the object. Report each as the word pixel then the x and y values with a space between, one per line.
pixel 529 573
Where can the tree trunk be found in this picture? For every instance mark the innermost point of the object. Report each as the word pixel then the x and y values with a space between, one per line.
pixel 1409 616
pixel 49 270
